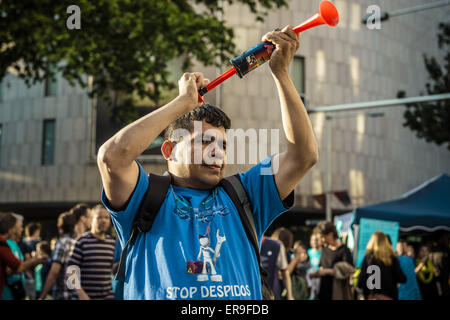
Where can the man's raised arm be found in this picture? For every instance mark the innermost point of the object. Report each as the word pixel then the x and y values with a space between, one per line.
pixel 301 153
pixel 116 157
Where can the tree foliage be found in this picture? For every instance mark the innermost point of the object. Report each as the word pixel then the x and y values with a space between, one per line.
pixel 431 121
pixel 125 45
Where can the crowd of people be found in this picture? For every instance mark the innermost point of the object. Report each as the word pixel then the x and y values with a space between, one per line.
pixel 81 261
pixel 326 270
pixel 77 264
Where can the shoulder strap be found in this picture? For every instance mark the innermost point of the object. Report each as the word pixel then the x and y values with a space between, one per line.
pixel 235 190
pixel 148 209
pixel 152 201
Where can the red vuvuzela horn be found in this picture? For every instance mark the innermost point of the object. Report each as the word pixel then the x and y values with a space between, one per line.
pixel 259 54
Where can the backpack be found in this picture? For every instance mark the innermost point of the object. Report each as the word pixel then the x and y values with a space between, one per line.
pixel 154 198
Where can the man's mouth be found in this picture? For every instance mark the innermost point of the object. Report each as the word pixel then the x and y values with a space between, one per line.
pixel 213 166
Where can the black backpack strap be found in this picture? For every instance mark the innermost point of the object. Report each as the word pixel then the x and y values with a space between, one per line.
pixel 235 190
pixel 152 201
pixel 148 209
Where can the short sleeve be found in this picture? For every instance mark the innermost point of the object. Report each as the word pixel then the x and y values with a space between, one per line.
pixel 282 262
pixel 117 251
pixel 77 254
pixel 123 220
pixel 58 253
pixel 266 204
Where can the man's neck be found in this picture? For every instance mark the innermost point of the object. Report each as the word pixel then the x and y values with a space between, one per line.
pixel 334 245
pixel 188 183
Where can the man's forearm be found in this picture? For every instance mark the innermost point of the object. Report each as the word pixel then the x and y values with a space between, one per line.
pixel 296 124
pixel 82 295
pixel 49 282
pixel 126 145
pixel 28 264
pixel 287 284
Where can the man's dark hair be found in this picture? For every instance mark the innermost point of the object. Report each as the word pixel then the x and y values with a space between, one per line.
pixel 31 228
pixel 80 210
pixel 7 222
pixel 325 227
pixel 66 222
pixel 207 112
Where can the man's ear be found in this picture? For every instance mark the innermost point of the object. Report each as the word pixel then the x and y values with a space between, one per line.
pixel 166 149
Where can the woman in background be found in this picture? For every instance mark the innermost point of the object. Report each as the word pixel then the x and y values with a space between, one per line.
pixel 425 272
pixel 410 289
pixel 380 270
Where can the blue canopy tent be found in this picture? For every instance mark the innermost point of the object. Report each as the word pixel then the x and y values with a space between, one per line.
pixel 426 207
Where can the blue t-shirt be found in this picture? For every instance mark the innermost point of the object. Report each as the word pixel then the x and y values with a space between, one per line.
pixel 117 284
pixel 199 249
pixel 410 289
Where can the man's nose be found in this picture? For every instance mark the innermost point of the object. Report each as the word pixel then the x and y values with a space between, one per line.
pixel 217 150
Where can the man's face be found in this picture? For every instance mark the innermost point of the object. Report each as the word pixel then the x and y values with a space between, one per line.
pixel 100 221
pixel 410 251
pixel 16 232
pixel 328 239
pixel 424 251
pixel 199 157
pixel 315 241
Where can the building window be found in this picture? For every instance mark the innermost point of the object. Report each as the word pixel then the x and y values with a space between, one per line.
pixel 298 76
pixel 51 85
pixel 48 142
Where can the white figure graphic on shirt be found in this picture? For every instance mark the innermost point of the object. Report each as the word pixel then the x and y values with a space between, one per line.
pixel 206 251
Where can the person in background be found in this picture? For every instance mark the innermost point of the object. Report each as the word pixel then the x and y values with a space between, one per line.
pixel 15 283
pixel 410 289
pixel 32 237
pixel 28 247
pixel 274 261
pixel 9 263
pixel 53 242
pixel 440 257
pixel 314 253
pixel 93 255
pixel 298 268
pixel 41 270
pixel 55 284
pixel 379 252
pixel 410 251
pixel 286 237
pixel 336 265
pixel 425 272
pixel 83 217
